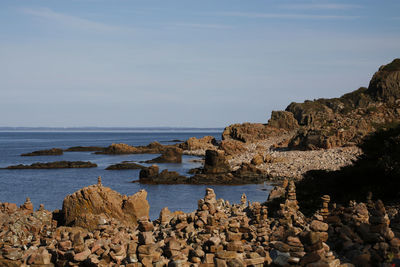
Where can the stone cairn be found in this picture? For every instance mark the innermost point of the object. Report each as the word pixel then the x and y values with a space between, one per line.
pixel 27 206
pixel 317 250
pixel 216 234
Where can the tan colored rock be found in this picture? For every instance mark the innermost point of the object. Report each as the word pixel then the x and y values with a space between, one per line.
pixel 319 226
pixel 27 206
pixel 232 147
pixel 84 207
pixel 120 149
pixel 257 160
pixel 204 143
pixel 283 119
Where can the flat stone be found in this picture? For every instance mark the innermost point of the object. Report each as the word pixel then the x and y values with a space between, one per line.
pixel 82 255
pixel 227 255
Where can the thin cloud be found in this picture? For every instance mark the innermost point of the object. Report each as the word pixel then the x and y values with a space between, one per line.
pixel 68 20
pixel 321 6
pixel 203 26
pixel 285 16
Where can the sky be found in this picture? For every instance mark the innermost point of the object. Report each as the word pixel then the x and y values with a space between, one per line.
pixel 208 63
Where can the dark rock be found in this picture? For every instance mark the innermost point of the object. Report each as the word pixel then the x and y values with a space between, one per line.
pixel 385 84
pixel 170 155
pixel 215 162
pixel 284 120
pixel 149 172
pixel 327 123
pixel 126 165
pixel 48 152
pixel 151 175
pixel 55 165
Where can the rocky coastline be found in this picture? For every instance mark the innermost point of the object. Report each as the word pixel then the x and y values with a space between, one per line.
pixel 341 154
pixel 323 134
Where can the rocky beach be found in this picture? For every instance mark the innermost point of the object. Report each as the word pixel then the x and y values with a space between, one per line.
pixel 328 207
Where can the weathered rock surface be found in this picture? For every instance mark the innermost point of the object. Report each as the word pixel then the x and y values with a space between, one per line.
pixel 217 233
pixel 250 132
pixel 152 148
pixel 48 152
pixel 117 149
pixel 55 165
pixel 88 206
pixel 151 175
pixel 198 146
pixel 170 155
pixel 328 123
pixel 283 120
pixel 215 162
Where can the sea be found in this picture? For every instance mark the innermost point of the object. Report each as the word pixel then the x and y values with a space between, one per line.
pixel 50 186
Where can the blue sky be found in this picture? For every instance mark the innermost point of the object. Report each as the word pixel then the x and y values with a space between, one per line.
pixel 201 63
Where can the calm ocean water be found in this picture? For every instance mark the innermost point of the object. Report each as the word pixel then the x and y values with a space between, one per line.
pixel 51 186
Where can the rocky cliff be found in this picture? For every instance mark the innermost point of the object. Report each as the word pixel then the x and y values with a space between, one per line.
pixel 335 122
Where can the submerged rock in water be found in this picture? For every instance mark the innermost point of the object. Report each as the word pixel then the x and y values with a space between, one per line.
pixel 47 152
pixel 55 165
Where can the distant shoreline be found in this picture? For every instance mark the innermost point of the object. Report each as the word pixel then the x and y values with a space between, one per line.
pixel 110 129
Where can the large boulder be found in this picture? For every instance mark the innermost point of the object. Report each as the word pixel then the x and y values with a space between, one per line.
pixel 215 162
pixel 249 132
pixel 170 155
pixel 204 143
pixel 385 84
pixel 232 147
pixel 151 175
pixel 284 120
pixel 86 207
pixel 245 132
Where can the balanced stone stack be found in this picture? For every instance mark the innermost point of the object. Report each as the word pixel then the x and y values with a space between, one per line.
pixel 148 252
pixel 387 245
pixel 289 211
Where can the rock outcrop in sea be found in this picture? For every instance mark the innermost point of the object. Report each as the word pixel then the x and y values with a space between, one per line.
pixel 47 152
pixel 55 165
pixel 169 155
